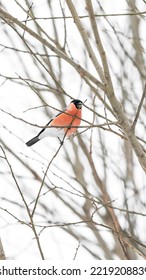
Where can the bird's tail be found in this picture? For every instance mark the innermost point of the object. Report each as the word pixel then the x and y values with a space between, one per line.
pixel 32 141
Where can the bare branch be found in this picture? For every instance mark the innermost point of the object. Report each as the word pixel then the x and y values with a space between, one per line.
pixel 139 109
pixel 10 19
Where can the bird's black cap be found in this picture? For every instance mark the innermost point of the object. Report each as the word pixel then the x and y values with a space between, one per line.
pixel 78 103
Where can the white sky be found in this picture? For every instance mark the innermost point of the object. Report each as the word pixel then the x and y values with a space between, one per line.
pixel 16 99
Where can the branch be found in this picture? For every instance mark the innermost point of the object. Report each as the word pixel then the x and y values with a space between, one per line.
pixel 85 38
pixel 25 203
pixel 83 72
pixel 87 16
pixel 116 105
pixel 139 108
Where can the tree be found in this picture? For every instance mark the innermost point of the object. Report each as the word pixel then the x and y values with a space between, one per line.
pixel 90 190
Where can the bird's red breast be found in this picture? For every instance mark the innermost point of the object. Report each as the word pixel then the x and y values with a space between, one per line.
pixel 70 117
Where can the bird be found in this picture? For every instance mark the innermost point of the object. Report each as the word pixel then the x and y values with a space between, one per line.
pixel 63 124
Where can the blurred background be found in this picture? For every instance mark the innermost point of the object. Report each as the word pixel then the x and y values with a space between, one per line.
pixel 87 199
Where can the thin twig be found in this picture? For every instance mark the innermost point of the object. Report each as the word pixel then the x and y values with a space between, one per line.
pixel 85 39
pixel 25 22
pixel 25 203
pixel 139 108
pixel 45 174
pixel 12 20
pixel 87 16
pixel 77 249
